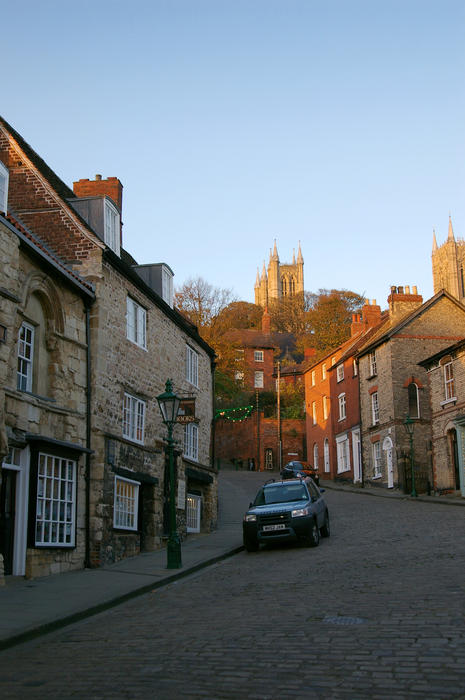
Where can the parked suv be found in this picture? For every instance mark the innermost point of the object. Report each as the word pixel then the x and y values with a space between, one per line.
pixel 286 510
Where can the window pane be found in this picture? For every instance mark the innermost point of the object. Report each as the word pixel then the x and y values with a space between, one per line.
pixel 56 487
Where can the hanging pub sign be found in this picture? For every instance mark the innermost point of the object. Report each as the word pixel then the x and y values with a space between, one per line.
pixel 186 411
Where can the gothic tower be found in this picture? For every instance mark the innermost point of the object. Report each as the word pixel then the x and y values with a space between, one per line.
pixel 448 262
pixel 281 280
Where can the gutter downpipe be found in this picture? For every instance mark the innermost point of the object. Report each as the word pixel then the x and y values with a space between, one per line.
pixel 213 366
pixel 87 563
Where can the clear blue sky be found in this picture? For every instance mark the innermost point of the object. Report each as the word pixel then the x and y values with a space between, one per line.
pixel 339 123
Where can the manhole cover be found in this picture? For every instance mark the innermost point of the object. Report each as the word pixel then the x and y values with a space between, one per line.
pixel 342 620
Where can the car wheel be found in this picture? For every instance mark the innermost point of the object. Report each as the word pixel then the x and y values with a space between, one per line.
pixel 325 530
pixel 251 544
pixel 313 538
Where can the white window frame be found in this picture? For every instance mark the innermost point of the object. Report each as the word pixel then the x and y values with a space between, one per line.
pixel 55 521
pixel 326 456
pixel 167 285
pixel 313 378
pixel 25 369
pixel 191 441
pixel 377 460
pixel 4 180
pixel 133 418
pixel 258 379
pixel 111 226
pixel 449 388
pixel 314 418
pixel 355 368
pixel 417 400
pixel 258 356
pixel 136 323
pixel 325 408
pixel 372 360
pixel 342 406
pixel 193 511
pixel 340 372
pixel 343 454
pixel 125 503
pixel 192 366
pixel 374 408
pixel 323 370
pixel 315 456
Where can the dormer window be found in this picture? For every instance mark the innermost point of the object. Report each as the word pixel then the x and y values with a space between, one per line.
pixel 167 285
pixel 4 177
pixel 112 227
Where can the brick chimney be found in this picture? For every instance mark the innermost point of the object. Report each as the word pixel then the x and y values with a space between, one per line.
pixel 111 187
pixel 402 302
pixel 309 352
pixel 356 326
pixel 266 322
pixel 371 313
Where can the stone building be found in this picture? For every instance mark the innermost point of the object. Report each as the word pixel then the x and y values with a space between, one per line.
pixel 137 341
pixel 393 385
pixel 448 263
pixel 44 358
pixel 446 377
pixel 281 280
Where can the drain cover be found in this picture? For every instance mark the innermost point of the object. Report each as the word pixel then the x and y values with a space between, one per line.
pixel 341 620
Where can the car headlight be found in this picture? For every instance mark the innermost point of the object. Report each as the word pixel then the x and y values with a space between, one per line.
pixel 301 511
pixel 250 517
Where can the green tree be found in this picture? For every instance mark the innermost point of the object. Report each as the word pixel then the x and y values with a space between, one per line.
pixel 330 315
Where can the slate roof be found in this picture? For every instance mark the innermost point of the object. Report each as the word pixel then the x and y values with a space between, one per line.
pixel 392 326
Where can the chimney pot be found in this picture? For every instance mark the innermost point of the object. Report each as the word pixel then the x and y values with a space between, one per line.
pixel 407 289
pixel 400 290
pixel 98 177
pixel 414 290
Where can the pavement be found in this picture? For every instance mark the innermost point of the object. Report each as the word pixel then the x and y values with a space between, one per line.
pixel 32 607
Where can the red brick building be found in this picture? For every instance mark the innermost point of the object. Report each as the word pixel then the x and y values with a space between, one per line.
pixel 255 442
pixel 332 403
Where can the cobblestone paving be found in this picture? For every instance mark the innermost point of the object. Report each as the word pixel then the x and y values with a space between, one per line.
pixel 376 611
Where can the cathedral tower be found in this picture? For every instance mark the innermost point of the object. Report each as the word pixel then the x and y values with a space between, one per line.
pixel 448 262
pixel 280 280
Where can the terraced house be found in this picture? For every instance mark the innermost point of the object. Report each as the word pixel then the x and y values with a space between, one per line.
pixel 135 341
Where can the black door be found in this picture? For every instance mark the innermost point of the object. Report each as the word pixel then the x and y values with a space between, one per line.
pixel 7 518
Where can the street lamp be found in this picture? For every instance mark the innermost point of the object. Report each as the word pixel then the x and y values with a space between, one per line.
pixel 409 426
pixel 169 408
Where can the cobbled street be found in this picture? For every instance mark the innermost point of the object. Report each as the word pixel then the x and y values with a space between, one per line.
pixel 376 611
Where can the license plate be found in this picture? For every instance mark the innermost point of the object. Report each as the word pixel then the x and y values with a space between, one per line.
pixel 267 528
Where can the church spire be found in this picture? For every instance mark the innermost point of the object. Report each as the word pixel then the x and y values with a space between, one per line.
pixel 450 235
pixel 257 281
pixel 299 255
pixel 275 251
pixel 435 243
pixel 263 271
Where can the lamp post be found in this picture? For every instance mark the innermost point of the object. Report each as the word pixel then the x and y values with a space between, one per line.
pixel 169 408
pixel 409 426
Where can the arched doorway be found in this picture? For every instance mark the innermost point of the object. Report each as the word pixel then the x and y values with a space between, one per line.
pixel 387 447
pixel 454 457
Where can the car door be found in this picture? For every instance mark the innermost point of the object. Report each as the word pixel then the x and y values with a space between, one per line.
pixel 318 503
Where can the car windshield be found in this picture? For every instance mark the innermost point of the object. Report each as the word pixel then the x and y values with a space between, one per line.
pixel 281 494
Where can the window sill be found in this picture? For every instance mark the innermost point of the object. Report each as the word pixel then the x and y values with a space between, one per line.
pixel 446 402
pixel 377 476
pixel 372 376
